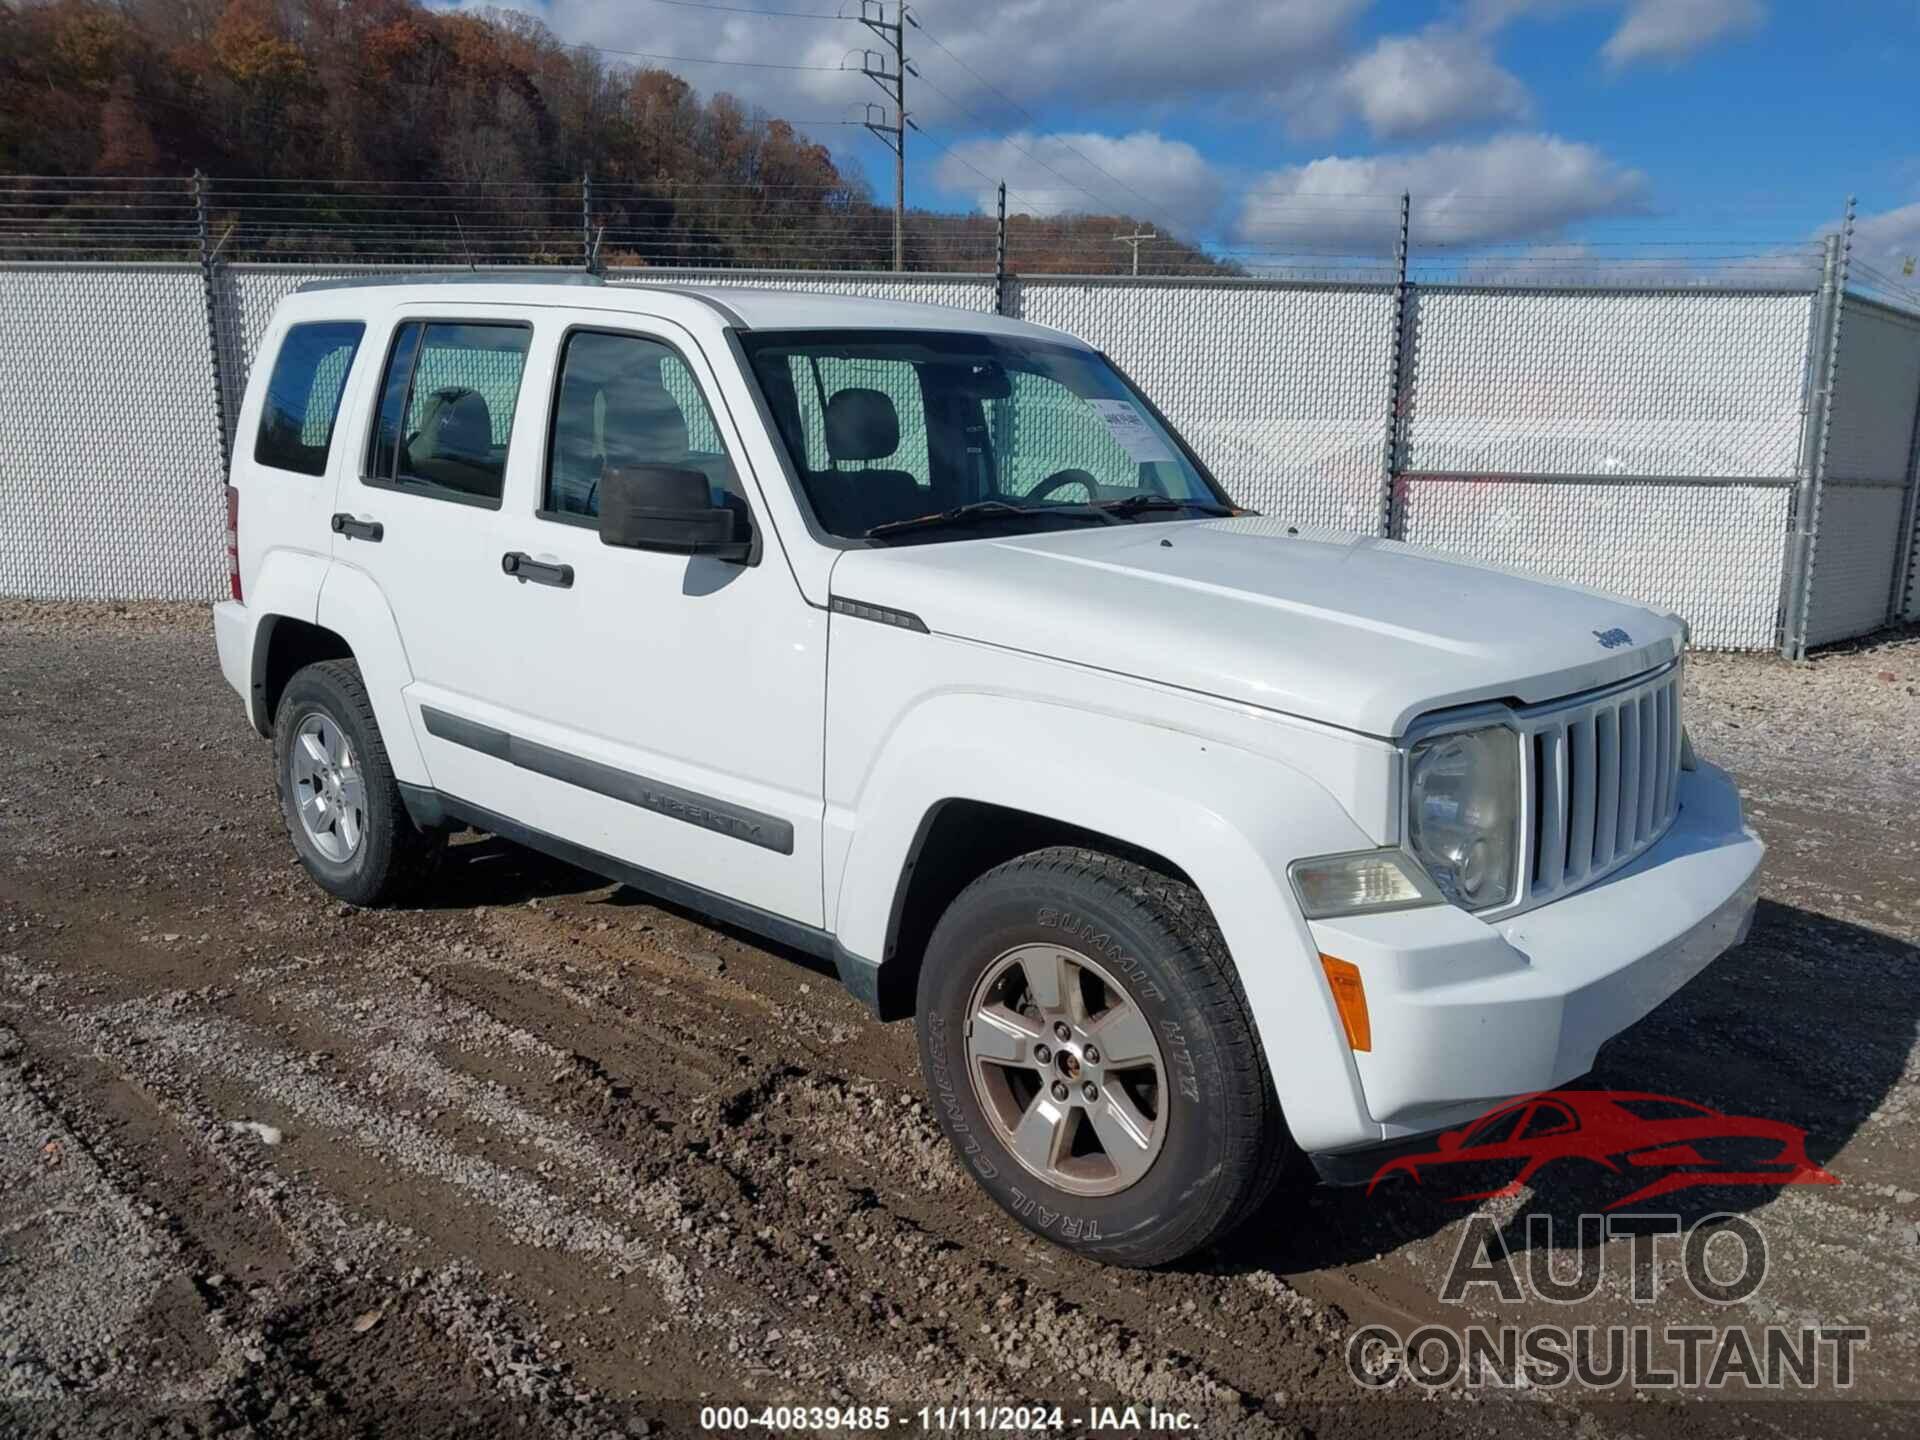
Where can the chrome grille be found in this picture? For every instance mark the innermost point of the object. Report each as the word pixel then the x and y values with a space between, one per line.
pixel 1603 783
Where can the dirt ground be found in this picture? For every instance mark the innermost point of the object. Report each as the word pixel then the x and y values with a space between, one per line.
pixel 542 1157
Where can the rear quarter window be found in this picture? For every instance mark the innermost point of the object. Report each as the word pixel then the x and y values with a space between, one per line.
pixel 303 396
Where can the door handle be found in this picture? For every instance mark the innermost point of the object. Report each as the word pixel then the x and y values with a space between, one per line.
pixel 347 525
pixel 523 567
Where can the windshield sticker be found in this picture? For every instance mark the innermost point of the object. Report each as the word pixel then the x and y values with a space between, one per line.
pixel 1128 426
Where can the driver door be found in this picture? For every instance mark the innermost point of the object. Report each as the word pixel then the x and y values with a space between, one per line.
pixel 662 709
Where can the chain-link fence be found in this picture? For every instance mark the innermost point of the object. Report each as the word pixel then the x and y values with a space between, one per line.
pixel 778 222
pixel 1736 446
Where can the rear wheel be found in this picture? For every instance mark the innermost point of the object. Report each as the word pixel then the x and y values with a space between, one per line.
pixel 1092 1058
pixel 337 792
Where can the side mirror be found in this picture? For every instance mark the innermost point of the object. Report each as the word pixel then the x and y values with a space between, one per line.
pixel 662 507
pixel 1448 1140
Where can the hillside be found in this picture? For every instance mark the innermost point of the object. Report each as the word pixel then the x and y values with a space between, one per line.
pixel 380 95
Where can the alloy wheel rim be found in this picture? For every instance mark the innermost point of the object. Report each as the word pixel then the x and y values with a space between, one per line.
pixel 329 792
pixel 1067 1070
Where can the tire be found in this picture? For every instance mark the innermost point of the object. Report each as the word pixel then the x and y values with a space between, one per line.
pixel 1198 1137
pixel 371 853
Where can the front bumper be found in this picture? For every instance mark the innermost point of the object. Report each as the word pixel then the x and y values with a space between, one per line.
pixel 1466 1014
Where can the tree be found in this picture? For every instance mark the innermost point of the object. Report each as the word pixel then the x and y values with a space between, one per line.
pixel 267 80
pixel 380 95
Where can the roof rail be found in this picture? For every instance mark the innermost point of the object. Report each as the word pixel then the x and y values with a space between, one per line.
pixel 493 277
pixel 452 277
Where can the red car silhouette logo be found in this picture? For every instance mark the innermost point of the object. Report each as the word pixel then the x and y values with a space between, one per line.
pixel 1623 1131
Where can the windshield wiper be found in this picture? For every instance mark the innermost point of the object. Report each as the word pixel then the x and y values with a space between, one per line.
pixel 1135 504
pixel 982 510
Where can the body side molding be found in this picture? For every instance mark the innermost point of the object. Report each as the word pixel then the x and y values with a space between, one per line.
pixel 722 817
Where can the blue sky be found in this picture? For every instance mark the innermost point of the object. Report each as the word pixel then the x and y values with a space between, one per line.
pixel 1522 127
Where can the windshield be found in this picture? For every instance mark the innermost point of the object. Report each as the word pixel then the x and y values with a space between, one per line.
pixel 909 436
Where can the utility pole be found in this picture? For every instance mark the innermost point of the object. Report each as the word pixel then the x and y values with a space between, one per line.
pixel 1134 240
pixel 873 15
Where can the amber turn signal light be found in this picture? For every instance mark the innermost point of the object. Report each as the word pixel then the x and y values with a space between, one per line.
pixel 1350 998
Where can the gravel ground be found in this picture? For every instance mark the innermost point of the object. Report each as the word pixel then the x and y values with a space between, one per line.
pixel 542 1157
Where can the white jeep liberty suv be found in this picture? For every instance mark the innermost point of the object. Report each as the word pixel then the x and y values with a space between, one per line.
pixel 918 640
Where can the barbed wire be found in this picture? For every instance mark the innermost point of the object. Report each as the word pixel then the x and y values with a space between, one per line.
pixel 732 224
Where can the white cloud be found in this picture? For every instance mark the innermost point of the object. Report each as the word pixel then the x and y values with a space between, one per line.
pixel 1572 263
pixel 1121 55
pixel 1488 15
pixel 1656 30
pixel 1512 187
pixel 1883 244
pixel 1134 54
pixel 1672 30
pixel 1128 60
pixel 1889 238
pixel 1143 174
pixel 1410 85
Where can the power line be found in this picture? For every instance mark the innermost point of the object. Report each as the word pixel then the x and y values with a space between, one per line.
pixel 750 10
pixel 1032 119
pixel 947 149
pixel 1005 140
pixel 700 60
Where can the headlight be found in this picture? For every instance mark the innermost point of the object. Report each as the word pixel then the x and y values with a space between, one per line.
pixel 1463 813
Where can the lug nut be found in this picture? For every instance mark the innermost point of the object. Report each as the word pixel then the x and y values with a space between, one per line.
pixel 1090 1055
pixel 1060 1029
pixel 1042 1054
pixel 1059 1090
pixel 1090 1090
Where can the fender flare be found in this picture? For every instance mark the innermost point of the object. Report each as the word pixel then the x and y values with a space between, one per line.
pixel 353 607
pixel 1231 819
pixel 285 586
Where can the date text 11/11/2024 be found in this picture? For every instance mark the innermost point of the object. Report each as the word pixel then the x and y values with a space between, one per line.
pixel 949 1419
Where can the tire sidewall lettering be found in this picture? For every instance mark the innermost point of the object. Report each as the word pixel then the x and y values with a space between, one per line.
pixel 1173 1035
pixel 940 1068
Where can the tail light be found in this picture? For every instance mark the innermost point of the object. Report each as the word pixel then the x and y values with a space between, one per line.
pixel 233 543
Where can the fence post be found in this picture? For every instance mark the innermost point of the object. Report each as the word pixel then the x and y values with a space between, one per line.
pixel 1391 466
pixel 1000 255
pixel 586 220
pixel 1904 550
pixel 1816 428
pixel 210 292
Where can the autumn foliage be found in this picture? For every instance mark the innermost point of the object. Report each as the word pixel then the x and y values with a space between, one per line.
pixel 366 96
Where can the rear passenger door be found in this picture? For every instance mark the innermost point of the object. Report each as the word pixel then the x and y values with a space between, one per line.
pixel 421 511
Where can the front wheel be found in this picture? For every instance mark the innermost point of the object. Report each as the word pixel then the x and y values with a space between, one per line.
pixel 1092 1058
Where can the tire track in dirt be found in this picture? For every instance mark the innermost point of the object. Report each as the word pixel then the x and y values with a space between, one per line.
pixel 165 1039
pixel 567 1056
pixel 854 1120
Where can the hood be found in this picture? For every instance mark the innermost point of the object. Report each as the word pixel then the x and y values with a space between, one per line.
pixel 1357 632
